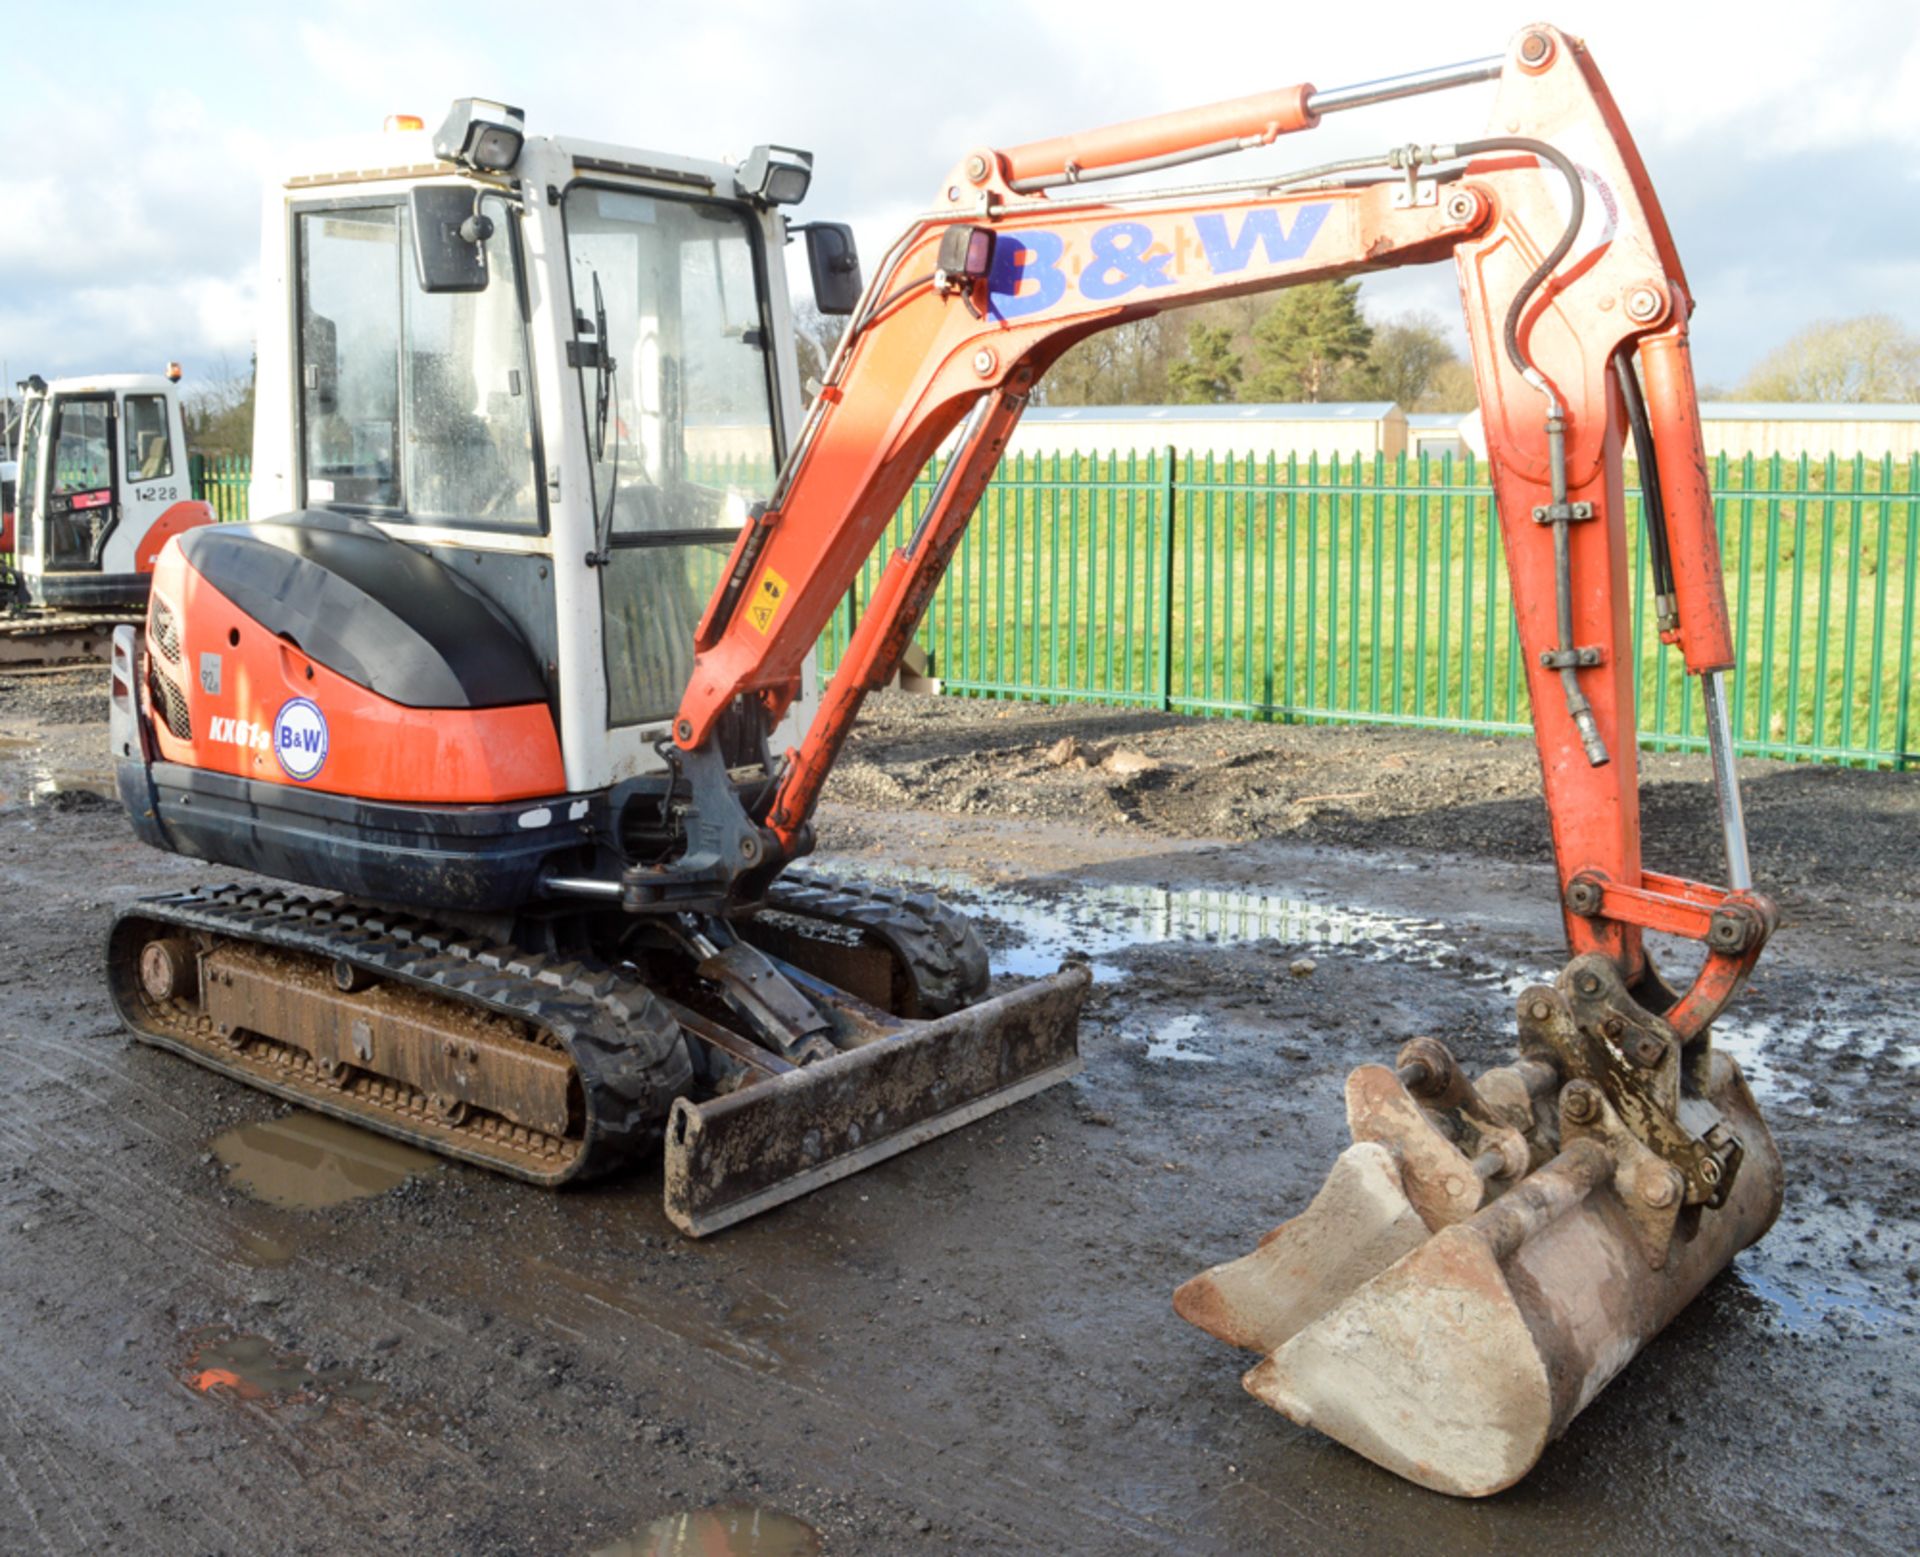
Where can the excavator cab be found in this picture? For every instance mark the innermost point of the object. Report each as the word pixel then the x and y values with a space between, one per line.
pixel 103 484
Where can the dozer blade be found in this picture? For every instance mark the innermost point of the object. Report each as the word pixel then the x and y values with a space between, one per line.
pixel 783 1135
pixel 1451 1344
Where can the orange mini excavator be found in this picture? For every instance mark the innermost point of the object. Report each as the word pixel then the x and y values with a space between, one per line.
pixel 525 403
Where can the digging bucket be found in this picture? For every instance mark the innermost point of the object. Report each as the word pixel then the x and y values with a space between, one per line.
pixel 1448 1328
pixel 735 1156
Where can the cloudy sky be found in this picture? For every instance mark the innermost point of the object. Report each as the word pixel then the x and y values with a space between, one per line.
pixel 1784 140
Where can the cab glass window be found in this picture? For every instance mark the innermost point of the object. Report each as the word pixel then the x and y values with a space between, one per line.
pixel 677 399
pixel 149 449
pixel 82 447
pixel 412 406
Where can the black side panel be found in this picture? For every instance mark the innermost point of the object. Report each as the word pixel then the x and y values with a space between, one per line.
pixel 90 591
pixel 370 608
pixel 480 859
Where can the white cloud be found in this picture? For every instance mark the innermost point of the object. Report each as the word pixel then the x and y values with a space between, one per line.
pixel 150 188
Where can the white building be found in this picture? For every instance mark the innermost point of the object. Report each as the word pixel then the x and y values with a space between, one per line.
pixel 1790 429
pixel 1343 428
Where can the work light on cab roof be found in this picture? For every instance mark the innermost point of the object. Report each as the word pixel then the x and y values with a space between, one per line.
pixel 776 175
pixel 482 134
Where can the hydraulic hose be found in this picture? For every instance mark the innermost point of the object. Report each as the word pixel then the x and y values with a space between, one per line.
pixel 1576 213
pixel 1653 501
pixel 1560 513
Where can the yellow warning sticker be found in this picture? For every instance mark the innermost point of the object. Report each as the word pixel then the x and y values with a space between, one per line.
pixel 768 596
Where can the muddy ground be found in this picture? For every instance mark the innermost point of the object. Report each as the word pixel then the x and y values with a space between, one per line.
pixel 968 1348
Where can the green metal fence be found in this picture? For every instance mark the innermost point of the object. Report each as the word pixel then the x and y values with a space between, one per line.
pixel 220 480
pixel 1374 591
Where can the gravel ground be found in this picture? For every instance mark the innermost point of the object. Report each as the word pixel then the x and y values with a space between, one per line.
pixel 968 1348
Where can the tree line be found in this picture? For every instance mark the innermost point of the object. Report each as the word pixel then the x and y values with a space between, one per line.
pixel 1315 343
pixel 1308 343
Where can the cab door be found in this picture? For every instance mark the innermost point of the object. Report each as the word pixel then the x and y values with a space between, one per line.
pixel 82 507
pixel 153 475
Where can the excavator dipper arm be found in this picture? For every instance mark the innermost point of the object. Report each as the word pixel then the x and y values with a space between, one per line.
pixel 1568 278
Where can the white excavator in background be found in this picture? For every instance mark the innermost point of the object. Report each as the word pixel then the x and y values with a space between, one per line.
pixel 99 484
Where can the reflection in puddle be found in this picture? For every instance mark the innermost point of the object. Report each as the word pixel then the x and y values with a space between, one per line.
pixel 1801 1305
pixel 1172 1042
pixel 249 1367
pixel 1094 920
pixel 1749 1039
pixel 719 1532
pixel 307 1161
pixel 42 781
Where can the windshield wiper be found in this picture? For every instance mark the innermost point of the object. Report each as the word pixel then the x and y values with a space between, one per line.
pixel 600 556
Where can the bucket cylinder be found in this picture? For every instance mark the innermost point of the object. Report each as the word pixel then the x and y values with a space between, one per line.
pixel 1448 1316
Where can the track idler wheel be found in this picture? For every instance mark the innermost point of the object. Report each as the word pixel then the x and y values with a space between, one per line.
pixel 1482 1260
pixel 169 969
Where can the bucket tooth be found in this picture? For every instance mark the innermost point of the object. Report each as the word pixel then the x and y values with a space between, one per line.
pixel 1439 1180
pixel 1358 1225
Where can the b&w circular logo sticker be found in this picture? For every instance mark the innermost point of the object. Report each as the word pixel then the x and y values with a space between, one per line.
pixel 300 738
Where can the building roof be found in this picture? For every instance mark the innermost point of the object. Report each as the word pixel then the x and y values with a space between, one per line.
pixel 1330 411
pixel 1805 411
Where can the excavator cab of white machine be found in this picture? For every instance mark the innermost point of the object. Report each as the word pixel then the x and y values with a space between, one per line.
pixel 102 485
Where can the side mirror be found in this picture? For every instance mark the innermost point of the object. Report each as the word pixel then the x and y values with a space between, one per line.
pixel 449 239
pixel 834 264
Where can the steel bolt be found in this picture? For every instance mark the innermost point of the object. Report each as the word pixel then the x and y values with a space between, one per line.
pixel 1584 898
pixel 1540 1010
pixel 1657 1188
pixel 683 731
pixel 1710 1171
pixel 1535 47
pixel 1728 930
pixel 984 362
pixel 1580 1103
pixel 1613 1027
pixel 1462 205
pixel 976 167
pixel 1648 1050
pixel 1588 983
pixel 1644 303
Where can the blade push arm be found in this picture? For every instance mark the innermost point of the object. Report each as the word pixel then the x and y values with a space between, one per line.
pixel 1567 276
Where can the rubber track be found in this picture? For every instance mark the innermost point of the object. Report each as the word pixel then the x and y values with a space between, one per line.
pixel 626 1049
pixel 938 944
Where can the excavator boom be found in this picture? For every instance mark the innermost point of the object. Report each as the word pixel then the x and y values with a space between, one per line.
pixel 1620 1139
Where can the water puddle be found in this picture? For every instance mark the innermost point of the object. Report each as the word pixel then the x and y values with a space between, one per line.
pixel 1753 1039
pixel 1174 1041
pixel 265 1253
pixel 40 783
pixel 306 1162
pixel 1802 1306
pixel 250 1367
pixel 1095 920
pixel 1040 925
pixel 720 1532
